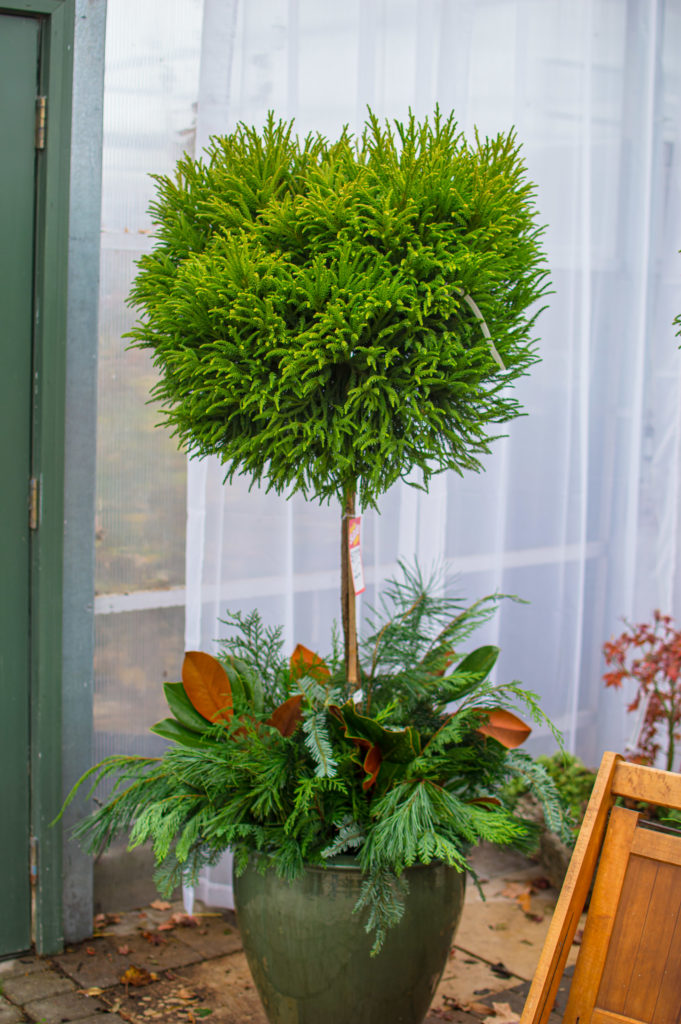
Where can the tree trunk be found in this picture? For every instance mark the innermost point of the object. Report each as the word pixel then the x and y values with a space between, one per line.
pixel 348 608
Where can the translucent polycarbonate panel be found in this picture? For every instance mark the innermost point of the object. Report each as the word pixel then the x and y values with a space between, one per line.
pixel 136 652
pixel 141 506
pixel 150 96
pixel 151 93
pixel 150 99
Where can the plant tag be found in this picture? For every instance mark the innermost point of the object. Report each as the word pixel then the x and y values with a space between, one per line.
pixel 356 567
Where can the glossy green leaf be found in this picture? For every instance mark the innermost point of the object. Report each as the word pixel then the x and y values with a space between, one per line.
pixel 400 745
pixel 481 661
pixel 170 729
pixel 183 709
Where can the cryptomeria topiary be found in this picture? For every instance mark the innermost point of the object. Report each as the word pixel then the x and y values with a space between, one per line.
pixel 329 316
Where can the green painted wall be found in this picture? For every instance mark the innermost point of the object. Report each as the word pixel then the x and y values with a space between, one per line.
pixel 19 52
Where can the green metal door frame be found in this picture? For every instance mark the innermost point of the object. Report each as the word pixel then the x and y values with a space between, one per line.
pixel 48 455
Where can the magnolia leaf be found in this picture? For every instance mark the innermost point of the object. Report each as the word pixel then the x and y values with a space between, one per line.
pixel 171 729
pixel 287 717
pixel 372 764
pixel 383 747
pixel 306 663
pixel 401 745
pixel 207 685
pixel 481 661
pixel 183 709
pixel 505 727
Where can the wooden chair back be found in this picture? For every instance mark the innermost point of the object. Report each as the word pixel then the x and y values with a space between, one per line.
pixel 629 966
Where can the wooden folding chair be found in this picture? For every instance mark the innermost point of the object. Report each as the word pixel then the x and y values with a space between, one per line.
pixel 629 965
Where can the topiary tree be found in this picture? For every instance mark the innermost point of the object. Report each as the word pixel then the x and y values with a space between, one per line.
pixel 328 317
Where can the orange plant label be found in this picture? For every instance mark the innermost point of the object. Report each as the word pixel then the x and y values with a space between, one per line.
pixel 356 566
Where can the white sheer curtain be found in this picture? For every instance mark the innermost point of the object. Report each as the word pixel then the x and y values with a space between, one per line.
pixel 578 510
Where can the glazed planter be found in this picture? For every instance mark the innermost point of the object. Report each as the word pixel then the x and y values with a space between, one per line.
pixel 309 954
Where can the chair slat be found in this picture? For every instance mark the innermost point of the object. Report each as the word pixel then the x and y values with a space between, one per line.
pixel 650 785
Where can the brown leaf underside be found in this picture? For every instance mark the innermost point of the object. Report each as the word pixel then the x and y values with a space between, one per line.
pixel 305 662
pixel 506 728
pixel 207 685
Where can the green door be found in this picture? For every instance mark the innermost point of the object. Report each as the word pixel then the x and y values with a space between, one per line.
pixel 19 38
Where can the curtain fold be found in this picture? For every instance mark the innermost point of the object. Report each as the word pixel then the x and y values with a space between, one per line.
pixel 579 508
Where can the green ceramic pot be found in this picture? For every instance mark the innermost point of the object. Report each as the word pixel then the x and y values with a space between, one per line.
pixel 309 954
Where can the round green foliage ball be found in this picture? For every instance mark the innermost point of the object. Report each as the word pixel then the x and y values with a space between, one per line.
pixel 306 302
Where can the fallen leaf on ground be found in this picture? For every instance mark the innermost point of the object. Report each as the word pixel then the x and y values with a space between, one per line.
pixel 501 970
pixel 503 1014
pixel 514 890
pixel 138 976
pixel 524 900
pixel 101 920
pixel 160 905
pixel 93 991
pixel 473 1007
pixel 124 950
pixel 154 938
pixel 186 993
pixel 540 883
pixel 91 951
pixel 185 920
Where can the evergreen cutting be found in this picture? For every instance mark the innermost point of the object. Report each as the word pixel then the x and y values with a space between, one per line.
pixel 282 760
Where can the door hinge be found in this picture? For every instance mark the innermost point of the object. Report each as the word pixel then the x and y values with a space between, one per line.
pixel 34 503
pixel 40 121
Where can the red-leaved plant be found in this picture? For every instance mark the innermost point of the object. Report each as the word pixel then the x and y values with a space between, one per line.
pixel 650 654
